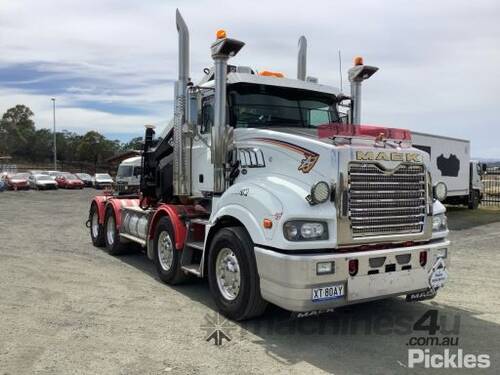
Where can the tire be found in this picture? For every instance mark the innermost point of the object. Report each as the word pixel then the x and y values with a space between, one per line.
pixel 111 235
pixel 473 200
pixel 96 232
pixel 167 258
pixel 246 302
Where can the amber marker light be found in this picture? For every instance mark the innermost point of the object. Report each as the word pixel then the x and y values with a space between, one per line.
pixel 221 34
pixel 358 60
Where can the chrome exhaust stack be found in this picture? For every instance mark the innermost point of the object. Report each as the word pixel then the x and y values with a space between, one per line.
pixel 222 49
pixel 181 172
pixel 302 59
pixel 357 74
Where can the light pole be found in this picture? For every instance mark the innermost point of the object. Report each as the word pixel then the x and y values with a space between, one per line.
pixel 55 143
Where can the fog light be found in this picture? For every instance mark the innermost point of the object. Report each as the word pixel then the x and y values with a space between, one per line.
pixel 442 253
pixel 423 258
pixel 440 191
pixel 353 267
pixel 320 192
pixel 323 268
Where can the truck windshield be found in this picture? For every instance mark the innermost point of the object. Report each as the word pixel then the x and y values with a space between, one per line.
pixel 125 171
pixel 253 106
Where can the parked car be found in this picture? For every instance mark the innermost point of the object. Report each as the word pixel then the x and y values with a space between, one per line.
pixel 53 174
pixel 69 181
pixel 17 181
pixel 42 182
pixel 102 180
pixel 34 171
pixel 3 186
pixel 86 178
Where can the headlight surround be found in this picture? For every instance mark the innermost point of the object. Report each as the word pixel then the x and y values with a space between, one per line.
pixel 301 230
pixel 320 192
pixel 439 223
pixel 440 191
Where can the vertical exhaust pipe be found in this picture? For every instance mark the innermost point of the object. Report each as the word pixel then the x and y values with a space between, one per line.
pixel 302 59
pixel 181 175
pixel 357 74
pixel 222 49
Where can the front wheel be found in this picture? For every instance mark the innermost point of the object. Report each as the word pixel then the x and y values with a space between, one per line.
pixel 167 258
pixel 232 275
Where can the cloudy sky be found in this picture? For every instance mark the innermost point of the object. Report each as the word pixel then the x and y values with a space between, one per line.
pixel 111 63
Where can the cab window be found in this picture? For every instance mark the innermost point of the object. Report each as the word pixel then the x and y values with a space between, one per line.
pixel 207 115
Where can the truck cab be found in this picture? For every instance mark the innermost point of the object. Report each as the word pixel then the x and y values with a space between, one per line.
pixel 260 187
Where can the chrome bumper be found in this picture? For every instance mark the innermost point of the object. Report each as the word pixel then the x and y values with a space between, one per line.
pixel 287 280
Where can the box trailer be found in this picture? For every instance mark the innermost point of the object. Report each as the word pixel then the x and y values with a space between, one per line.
pixel 451 166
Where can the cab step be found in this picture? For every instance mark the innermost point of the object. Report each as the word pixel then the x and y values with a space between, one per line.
pixel 198 245
pixel 192 269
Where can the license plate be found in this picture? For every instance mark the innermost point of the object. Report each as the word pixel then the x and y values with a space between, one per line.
pixel 325 293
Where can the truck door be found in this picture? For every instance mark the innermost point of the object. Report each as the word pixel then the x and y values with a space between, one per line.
pixel 475 176
pixel 201 166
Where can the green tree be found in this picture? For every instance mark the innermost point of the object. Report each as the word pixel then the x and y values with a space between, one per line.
pixel 95 148
pixel 134 144
pixel 18 129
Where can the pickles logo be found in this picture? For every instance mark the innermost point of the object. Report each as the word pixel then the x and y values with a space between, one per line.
pixel 410 157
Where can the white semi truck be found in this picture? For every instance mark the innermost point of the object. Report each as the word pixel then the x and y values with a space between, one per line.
pixel 260 188
pixel 457 178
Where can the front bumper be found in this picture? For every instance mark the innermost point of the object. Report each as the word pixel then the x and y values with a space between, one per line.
pixel 287 280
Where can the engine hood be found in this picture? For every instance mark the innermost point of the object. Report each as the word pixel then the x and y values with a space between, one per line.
pixel 301 153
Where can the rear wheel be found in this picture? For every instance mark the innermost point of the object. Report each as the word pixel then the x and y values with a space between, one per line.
pixel 232 275
pixel 167 258
pixel 96 229
pixel 111 235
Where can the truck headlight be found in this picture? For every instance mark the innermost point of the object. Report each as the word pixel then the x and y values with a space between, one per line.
pixel 440 191
pixel 439 223
pixel 305 231
pixel 320 192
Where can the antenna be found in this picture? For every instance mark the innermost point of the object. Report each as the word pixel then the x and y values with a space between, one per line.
pixel 340 71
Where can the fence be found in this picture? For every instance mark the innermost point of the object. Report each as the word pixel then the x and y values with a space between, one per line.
pixel 491 181
pixel 73 167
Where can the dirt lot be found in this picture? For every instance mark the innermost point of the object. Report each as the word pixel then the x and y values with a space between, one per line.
pixel 67 307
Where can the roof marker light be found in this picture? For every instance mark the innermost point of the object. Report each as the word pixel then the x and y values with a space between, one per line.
pixel 267 73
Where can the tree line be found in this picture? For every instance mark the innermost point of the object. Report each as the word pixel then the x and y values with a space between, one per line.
pixel 20 139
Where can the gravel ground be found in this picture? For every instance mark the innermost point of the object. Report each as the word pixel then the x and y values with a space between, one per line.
pixel 67 307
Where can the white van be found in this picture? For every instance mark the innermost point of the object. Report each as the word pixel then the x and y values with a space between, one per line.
pixel 128 176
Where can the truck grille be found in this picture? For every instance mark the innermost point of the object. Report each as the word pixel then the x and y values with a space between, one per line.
pixel 382 203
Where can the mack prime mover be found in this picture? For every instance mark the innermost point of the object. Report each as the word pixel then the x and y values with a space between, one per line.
pixel 259 186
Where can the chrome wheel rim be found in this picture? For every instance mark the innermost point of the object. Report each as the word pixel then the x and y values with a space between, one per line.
pixel 227 270
pixel 110 230
pixel 165 250
pixel 95 225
